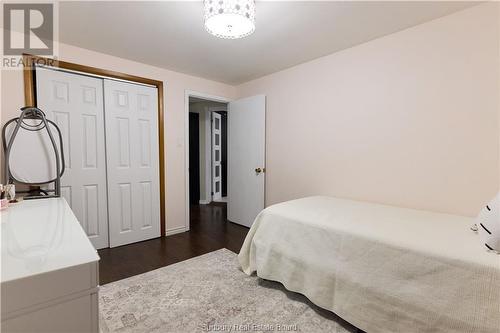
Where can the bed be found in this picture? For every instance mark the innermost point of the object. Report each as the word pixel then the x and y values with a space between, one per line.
pixel 381 268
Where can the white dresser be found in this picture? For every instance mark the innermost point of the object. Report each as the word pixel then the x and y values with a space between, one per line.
pixel 50 272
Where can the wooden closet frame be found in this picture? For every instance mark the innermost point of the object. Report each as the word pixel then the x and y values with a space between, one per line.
pixel 29 62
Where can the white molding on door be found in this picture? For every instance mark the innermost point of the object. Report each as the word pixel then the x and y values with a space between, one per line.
pixel 208 147
pixel 216 151
pixel 208 97
pixel 208 157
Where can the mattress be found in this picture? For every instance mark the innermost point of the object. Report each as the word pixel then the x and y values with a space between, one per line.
pixel 381 268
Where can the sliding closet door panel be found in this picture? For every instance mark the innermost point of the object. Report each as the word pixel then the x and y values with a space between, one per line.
pixel 133 162
pixel 76 104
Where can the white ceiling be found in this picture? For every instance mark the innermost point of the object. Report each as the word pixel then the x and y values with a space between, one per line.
pixel 171 34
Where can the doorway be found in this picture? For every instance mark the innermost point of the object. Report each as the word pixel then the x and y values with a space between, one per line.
pixel 231 168
pixel 207 151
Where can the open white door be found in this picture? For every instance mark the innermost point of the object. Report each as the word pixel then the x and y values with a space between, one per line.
pixel 246 158
pixel 216 156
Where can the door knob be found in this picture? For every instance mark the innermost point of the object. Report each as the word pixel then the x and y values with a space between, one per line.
pixel 258 170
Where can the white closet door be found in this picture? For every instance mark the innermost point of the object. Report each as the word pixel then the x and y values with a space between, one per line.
pixel 217 156
pixel 75 103
pixel 132 162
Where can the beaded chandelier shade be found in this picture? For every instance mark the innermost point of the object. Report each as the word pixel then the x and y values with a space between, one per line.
pixel 230 18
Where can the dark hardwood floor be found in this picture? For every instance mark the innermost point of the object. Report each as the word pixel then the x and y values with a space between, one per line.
pixel 209 231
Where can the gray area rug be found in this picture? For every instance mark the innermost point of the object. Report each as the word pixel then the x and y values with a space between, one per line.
pixel 209 294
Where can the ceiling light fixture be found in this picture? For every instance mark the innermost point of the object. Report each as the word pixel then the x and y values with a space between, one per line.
pixel 230 19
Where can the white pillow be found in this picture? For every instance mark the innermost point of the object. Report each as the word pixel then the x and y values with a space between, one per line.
pixel 488 224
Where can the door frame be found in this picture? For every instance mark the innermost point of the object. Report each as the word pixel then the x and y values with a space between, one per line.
pixel 208 97
pixel 29 65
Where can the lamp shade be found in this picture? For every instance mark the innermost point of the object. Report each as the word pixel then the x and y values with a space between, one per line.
pixel 230 18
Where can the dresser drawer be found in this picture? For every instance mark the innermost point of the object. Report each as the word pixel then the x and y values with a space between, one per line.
pixel 72 316
pixel 28 293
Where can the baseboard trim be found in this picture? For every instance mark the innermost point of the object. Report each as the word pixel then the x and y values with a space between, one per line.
pixel 174 231
pixel 204 202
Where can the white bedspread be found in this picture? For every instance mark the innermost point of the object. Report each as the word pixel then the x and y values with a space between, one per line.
pixel 382 268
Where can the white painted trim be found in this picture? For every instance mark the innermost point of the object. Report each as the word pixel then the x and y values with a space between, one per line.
pixel 177 230
pixel 217 108
pixel 204 202
pixel 187 94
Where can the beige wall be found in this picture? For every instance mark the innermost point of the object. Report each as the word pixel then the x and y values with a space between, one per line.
pixel 410 119
pixel 175 84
